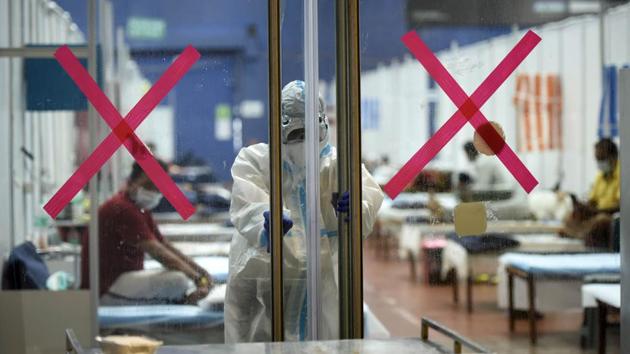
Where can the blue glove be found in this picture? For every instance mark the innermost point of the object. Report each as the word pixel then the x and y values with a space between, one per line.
pixel 343 204
pixel 287 224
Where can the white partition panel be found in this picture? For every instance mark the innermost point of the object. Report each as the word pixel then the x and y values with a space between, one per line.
pixel 591 97
pixel 49 137
pixel 6 184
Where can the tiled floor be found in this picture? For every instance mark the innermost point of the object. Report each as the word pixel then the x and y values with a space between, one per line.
pixel 399 303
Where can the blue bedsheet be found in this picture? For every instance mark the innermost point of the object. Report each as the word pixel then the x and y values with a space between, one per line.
pixel 189 315
pixel 566 265
pixel 158 315
pixel 216 266
pixel 168 315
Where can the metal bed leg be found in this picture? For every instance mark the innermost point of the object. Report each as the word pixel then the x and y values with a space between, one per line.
pixel 455 285
pixel 602 313
pixel 412 266
pixel 531 295
pixel 511 299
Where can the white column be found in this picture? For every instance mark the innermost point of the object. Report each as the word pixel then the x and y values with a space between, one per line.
pixel 311 73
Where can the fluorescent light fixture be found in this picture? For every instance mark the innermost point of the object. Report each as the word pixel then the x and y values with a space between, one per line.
pixel 582 7
pixel 550 7
pixel 430 16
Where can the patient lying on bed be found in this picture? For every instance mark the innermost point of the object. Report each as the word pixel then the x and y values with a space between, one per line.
pixel 127 232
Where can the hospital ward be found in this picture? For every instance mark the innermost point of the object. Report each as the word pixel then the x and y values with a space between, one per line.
pixel 314 176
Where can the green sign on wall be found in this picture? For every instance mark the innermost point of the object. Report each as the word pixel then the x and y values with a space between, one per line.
pixel 146 28
pixel 222 121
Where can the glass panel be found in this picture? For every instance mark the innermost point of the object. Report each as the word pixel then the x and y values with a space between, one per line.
pixel 441 244
pixel 44 136
pixel 295 126
pixel 461 213
pixel 211 129
pixel 160 276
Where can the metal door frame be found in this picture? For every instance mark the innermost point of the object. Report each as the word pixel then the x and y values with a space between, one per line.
pixel 348 159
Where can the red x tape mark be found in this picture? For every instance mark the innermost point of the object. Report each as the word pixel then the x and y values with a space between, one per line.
pixel 123 131
pixel 468 111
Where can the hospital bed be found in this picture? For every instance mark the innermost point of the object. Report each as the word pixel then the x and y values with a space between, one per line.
pixel 200 232
pixel 413 234
pixel 412 206
pixel 174 230
pixel 176 324
pixel 197 249
pixel 180 324
pixel 552 268
pixel 604 298
pixel 465 263
pixel 216 266
pixel 173 324
pixel 394 214
pixel 185 324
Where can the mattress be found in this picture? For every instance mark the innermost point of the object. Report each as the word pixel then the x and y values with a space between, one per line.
pixel 606 293
pixel 158 315
pixel 564 265
pixel 216 266
pixel 193 316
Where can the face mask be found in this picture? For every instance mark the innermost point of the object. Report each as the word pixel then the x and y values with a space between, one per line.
pixel 604 166
pixel 295 154
pixel 147 199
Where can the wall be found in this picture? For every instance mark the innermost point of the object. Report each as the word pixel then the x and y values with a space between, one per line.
pixel 47 136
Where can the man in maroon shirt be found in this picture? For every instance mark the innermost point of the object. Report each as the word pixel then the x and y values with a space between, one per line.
pixel 126 232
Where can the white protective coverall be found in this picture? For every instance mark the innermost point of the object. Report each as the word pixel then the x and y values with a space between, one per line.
pixel 248 297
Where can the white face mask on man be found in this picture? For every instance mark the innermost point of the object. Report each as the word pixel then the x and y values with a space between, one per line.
pixel 605 166
pixel 146 199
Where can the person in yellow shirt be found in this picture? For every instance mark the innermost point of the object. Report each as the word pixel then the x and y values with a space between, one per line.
pixel 606 193
pixel 592 220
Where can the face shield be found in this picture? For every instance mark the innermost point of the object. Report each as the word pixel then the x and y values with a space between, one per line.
pixel 293 128
pixel 293 114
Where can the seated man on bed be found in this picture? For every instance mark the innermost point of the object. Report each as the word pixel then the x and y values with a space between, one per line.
pixel 592 221
pixel 489 181
pixel 127 232
pixel 486 175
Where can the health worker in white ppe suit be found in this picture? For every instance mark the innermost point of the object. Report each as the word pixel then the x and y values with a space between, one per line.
pixel 248 298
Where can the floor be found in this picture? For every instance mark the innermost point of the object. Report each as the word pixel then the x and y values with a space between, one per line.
pixel 399 303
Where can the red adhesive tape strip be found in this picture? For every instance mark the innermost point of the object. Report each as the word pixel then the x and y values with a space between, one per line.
pixel 122 131
pixel 468 111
